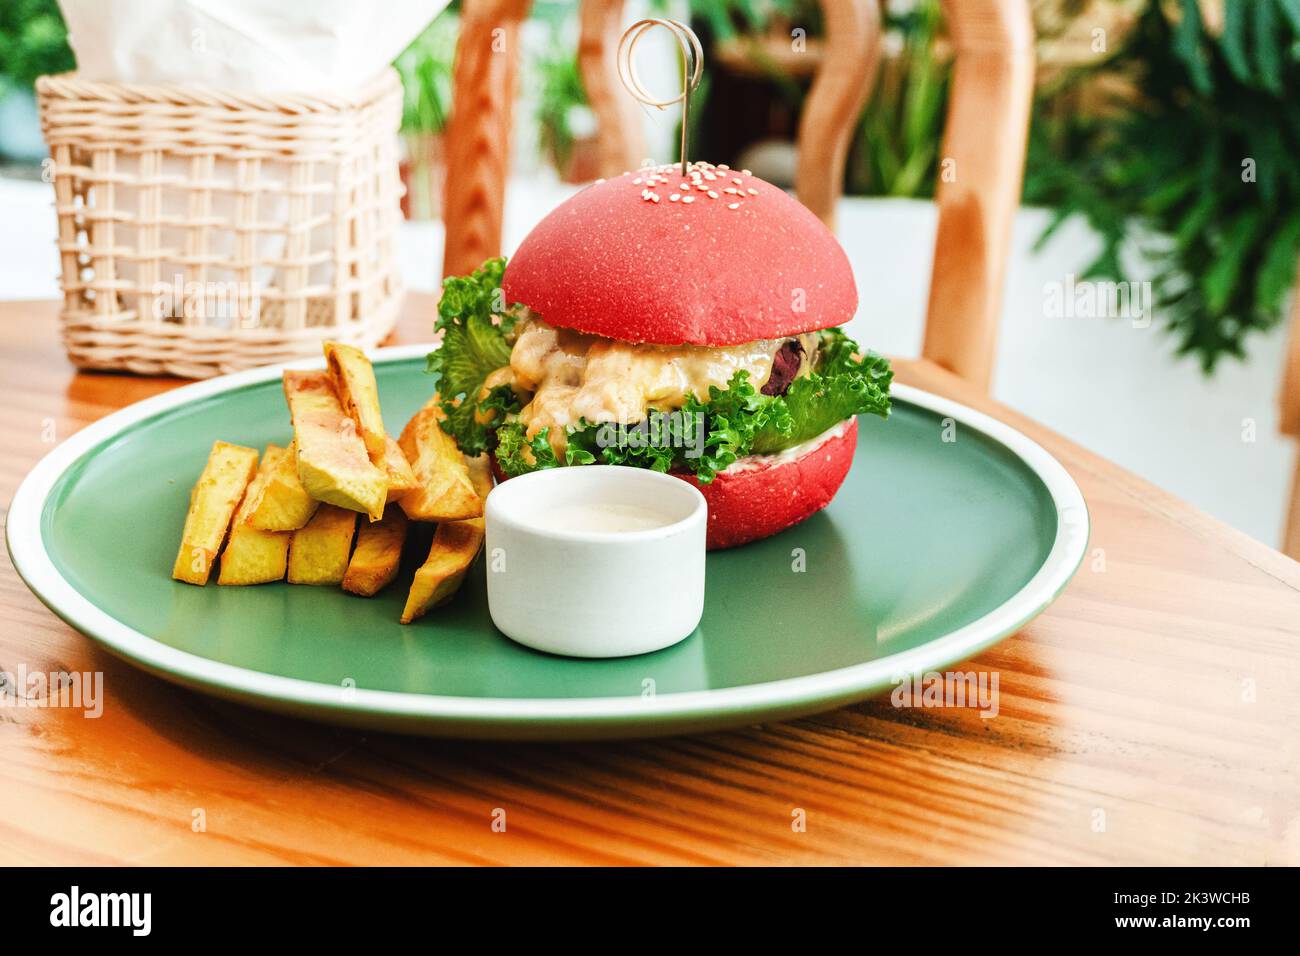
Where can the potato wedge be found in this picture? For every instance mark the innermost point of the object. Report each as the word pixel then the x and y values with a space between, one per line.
pixel 353 378
pixel 480 475
pixel 401 478
pixel 281 503
pixel 377 555
pixel 254 556
pixel 455 546
pixel 213 501
pixel 333 464
pixel 445 492
pixel 318 553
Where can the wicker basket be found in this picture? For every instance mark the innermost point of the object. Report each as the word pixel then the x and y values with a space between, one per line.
pixel 202 232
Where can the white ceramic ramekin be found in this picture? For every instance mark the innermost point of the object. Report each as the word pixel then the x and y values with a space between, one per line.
pixel 595 593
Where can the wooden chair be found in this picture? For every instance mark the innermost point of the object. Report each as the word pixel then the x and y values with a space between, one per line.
pixel 983 147
pixel 1289 424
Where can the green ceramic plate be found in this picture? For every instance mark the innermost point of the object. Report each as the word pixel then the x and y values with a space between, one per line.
pixel 952 531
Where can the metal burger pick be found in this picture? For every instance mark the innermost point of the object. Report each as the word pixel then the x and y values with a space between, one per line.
pixel 692 69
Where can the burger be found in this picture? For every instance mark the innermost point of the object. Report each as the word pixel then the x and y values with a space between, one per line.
pixel 684 323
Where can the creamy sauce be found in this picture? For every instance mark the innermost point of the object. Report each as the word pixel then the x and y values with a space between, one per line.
pixel 751 462
pixel 572 376
pixel 607 516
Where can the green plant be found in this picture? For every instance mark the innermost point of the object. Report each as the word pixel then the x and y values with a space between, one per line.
pixel 896 148
pixel 33 41
pixel 1195 167
pixel 728 17
pixel 898 137
pixel 562 112
pixel 425 69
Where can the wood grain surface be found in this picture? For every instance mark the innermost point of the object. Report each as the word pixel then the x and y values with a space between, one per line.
pixel 478 132
pixel 981 164
pixel 1149 716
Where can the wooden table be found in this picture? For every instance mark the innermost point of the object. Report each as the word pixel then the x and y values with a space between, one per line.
pixel 1150 716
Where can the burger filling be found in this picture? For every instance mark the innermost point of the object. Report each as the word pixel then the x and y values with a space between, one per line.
pixel 564 378
pixel 536 396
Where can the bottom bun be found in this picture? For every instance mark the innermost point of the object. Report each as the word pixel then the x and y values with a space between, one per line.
pixel 763 494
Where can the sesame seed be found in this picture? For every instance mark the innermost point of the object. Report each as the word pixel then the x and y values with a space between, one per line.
pixel 752 192
pixel 637 181
pixel 723 166
pixel 737 182
pixel 733 205
pixel 688 199
pixel 732 190
pixel 674 197
pixel 712 194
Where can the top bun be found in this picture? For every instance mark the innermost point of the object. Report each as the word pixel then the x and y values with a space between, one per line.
pixel 642 258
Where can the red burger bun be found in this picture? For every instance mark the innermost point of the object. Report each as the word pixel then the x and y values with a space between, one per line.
pixel 690 271
pixel 762 495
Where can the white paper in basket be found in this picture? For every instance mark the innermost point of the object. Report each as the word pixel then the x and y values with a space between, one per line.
pixel 250 46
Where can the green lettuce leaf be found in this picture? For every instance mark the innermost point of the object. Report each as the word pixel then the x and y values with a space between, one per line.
pixel 842 385
pixel 475 323
pixel 513 448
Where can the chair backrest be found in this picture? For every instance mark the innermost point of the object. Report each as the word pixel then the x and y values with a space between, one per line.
pixel 981 166
pixel 1289 424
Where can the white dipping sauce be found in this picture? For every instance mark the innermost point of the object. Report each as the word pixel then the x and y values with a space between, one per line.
pixel 600 516
pixel 577 552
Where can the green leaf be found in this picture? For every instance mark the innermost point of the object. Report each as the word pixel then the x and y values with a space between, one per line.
pixel 1187 46
pixel 1220 255
pixel 1277 269
pixel 843 386
pixel 1220 281
pixel 517 454
pixel 1233 41
pixel 1291 10
pixel 474 323
pixel 1193 224
pixel 654 445
pixel 1268 59
pixel 1169 194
